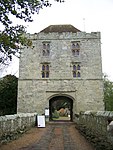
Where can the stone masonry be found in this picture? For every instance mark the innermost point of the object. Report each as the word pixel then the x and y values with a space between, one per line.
pixel 83 85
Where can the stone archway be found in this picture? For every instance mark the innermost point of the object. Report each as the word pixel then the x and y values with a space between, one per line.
pixel 61 108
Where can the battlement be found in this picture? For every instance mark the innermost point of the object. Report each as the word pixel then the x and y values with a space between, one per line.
pixel 64 35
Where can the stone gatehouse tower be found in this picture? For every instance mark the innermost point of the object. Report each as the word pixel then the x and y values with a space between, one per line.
pixel 63 63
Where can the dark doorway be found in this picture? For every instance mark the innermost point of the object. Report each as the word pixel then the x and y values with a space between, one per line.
pixel 61 108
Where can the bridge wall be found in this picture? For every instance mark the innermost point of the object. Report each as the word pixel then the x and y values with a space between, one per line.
pixel 12 125
pixel 95 125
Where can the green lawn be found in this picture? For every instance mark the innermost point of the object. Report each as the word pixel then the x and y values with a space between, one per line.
pixel 62 118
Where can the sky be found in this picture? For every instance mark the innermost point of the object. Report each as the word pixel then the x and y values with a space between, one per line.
pixel 86 15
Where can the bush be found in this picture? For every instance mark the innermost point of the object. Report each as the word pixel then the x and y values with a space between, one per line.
pixel 55 114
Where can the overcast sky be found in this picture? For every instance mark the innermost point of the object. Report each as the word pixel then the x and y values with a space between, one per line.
pixel 86 15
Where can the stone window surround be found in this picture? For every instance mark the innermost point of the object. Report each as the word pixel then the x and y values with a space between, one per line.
pixel 45 70
pixel 45 48
pixel 75 48
pixel 76 69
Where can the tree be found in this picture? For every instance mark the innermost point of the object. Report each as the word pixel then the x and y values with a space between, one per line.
pixel 8 95
pixel 108 94
pixel 12 37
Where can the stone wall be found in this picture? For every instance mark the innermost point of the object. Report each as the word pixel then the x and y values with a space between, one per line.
pixel 34 95
pixel 12 125
pixel 94 125
pixel 60 57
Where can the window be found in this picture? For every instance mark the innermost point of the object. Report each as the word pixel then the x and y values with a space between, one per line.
pixel 75 47
pixel 46 49
pixel 76 70
pixel 45 70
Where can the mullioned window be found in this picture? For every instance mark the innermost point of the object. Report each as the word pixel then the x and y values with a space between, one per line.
pixel 76 70
pixel 75 48
pixel 46 49
pixel 45 70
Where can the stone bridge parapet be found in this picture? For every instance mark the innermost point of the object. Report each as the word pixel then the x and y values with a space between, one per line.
pixel 96 125
pixel 12 125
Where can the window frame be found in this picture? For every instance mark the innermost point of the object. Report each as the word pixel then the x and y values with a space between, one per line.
pixel 45 48
pixel 75 48
pixel 45 70
pixel 76 70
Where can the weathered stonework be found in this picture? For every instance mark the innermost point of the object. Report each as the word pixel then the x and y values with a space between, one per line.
pixel 95 127
pixel 86 91
pixel 11 126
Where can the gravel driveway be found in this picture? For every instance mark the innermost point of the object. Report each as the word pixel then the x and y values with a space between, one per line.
pixel 55 136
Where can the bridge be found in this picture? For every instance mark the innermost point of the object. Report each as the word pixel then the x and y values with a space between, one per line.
pixel 63 135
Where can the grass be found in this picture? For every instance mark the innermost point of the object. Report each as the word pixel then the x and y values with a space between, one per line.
pixel 62 118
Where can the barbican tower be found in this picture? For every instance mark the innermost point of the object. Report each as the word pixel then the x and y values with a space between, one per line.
pixel 63 65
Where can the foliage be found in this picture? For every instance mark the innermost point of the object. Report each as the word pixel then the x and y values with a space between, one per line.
pixel 12 37
pixel 55 114
pixel 108 94
pixel 8 95
pixel 62 103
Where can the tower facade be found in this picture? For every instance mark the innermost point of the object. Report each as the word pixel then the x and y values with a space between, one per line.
pixel 62 62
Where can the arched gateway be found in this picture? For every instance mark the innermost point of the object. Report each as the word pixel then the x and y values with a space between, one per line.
pixel 61 108
pixel 62 60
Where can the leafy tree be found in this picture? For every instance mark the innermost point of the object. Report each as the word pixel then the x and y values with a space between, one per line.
pixel 108 94
pixel 8 95
pixel 11 37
